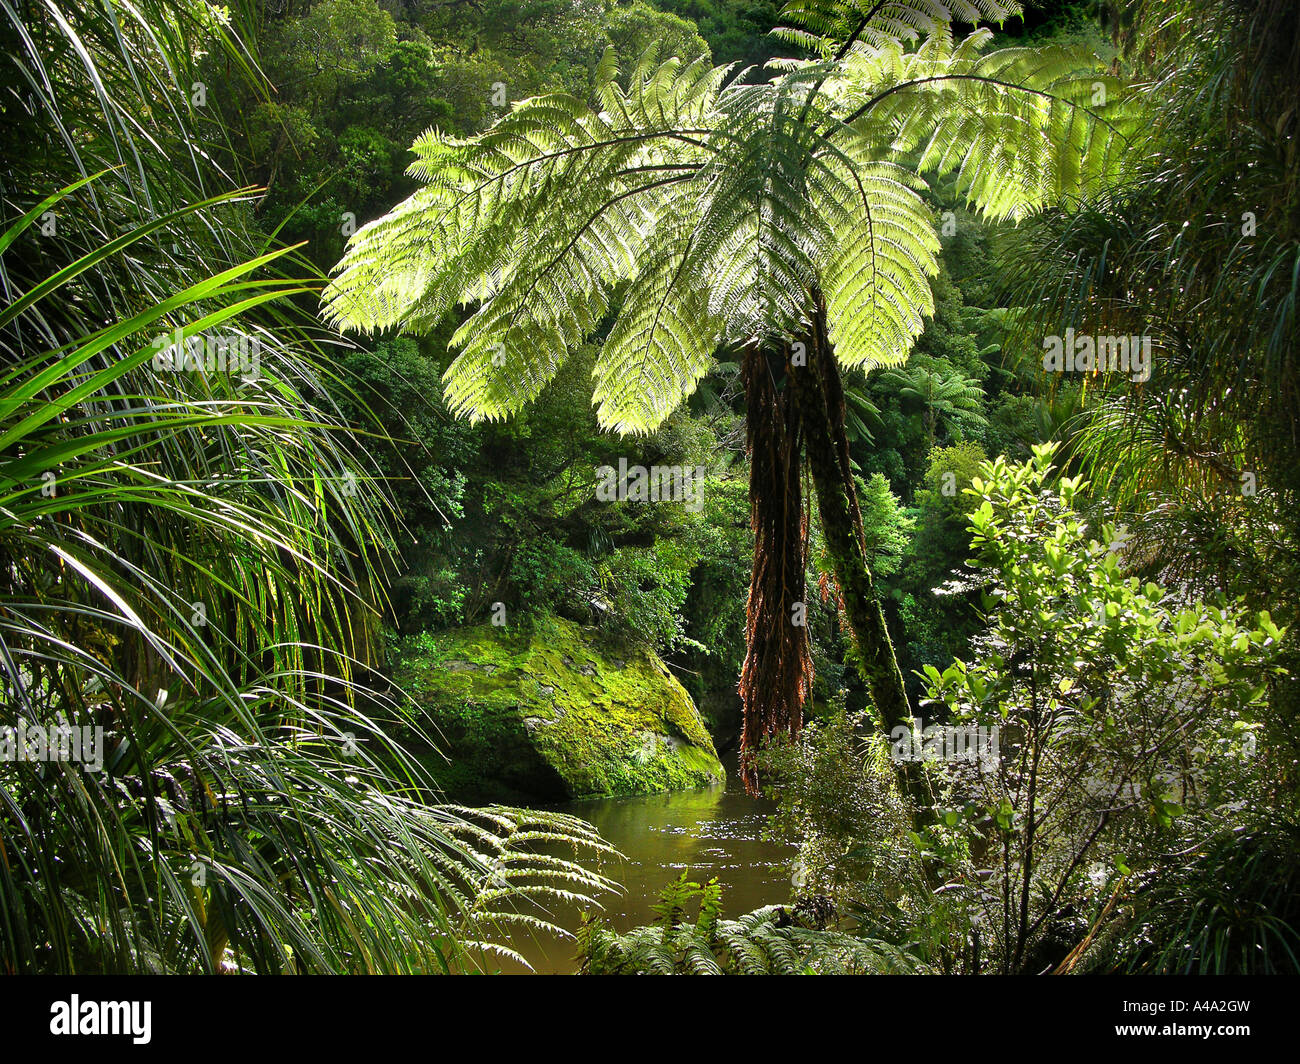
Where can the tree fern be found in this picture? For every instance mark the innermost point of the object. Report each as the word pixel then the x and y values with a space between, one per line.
pixel 724 208
pixel 767 941
pixel 952 398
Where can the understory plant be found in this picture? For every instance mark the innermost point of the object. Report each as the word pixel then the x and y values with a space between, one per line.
pixel 1120 710
pixel 192 556
pixel 1124 723
pixel 774 940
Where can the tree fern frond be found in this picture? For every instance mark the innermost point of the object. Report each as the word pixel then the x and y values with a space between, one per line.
pixel 1019 127
pixel 824 26
pixel 661 344
pixel 758 233
pixel 875 273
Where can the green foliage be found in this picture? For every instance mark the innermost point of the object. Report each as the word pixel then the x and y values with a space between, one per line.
pixel 933 592
pixel 955 386
pixel 738 31
pixel 422 455
pixel 1120 712
pixel 713 644
pixel 633 28
pixel 840 804
pixel 190 563
pixel 764 942
pixel 952 401
pixel 334 42
pixel 661 187
pixel 401 94
pixel 1217 244
pixel 944 506
pixel 507 513
pixel 539 45
pixel 1126 727
pixel 886 526
pixel 1230 905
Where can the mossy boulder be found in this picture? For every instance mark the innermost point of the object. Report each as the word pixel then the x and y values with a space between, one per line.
pixel 551 710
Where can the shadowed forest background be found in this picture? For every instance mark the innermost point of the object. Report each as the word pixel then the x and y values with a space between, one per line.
pixel 363 636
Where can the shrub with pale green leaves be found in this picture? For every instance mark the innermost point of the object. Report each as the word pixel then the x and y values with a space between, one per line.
pixel 1120 711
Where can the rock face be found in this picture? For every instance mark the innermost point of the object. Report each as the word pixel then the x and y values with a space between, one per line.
pixel 553 712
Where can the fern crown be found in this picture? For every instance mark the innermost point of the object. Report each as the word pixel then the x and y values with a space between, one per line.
pixel 702 206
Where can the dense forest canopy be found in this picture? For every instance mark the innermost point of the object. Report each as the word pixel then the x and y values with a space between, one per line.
pixel 417 415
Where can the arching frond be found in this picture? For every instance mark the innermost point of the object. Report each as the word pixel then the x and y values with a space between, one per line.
pixel 759 232
pixel 698 215
pixel 534 221
pixel 663 341
pixel 876 271
pixel 1019 128
pixel 826 26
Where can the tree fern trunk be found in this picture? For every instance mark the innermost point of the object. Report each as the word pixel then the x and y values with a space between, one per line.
pixel 777 675
pixel 818 395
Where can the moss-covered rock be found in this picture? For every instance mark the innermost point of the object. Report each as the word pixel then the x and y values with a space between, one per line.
pixel 553 711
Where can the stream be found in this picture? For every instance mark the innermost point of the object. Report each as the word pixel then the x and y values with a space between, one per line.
pixel 710 833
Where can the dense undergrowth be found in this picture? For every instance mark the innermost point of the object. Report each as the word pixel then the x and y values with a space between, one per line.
pixel 259 572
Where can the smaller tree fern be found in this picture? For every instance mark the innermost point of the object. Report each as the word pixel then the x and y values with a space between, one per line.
pixel 767 941
pixel 952 399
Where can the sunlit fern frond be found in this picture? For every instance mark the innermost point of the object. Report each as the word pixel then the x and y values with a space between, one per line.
pixel 1019 128
pixel 662 343
pixel 698 211
pixel 759 232
pixel 527 861
pixel 876 268
pixel 534 222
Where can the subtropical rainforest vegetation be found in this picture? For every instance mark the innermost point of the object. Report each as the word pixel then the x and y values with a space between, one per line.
pixel 717 485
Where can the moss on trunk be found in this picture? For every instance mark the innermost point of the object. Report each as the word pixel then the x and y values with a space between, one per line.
pixel 819 396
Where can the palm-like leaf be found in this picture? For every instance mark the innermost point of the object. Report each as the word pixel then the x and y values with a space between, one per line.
pixel 951 397
pixel 192 563
pixel 178 588
pixel 723 207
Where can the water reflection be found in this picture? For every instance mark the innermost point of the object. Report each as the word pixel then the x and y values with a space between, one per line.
pixel 711 833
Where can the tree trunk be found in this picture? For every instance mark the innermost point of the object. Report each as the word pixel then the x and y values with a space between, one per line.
pixel 807 413
pixel 819 398
pixel 777 675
